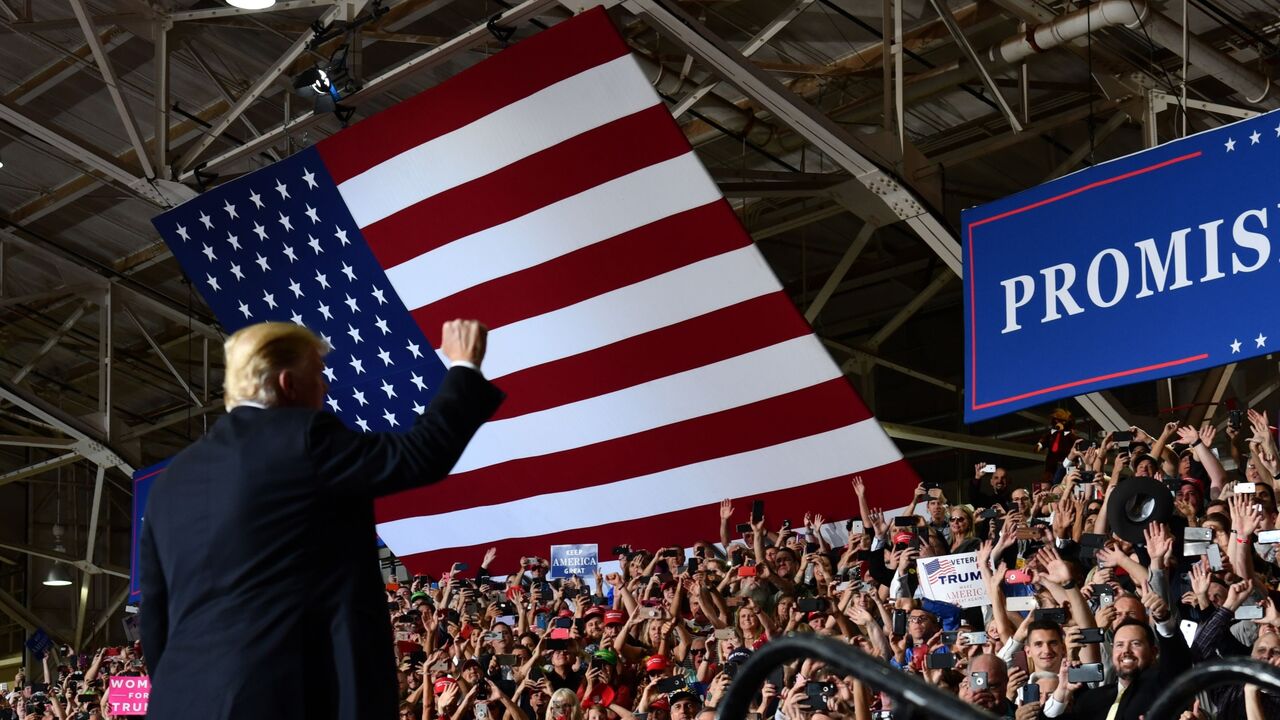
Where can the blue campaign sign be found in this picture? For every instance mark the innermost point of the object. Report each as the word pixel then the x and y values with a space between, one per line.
pixel 1152 265
pixel 142 481
pixel 39 643
pixel 573 561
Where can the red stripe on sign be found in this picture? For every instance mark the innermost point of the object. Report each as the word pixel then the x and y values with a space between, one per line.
pixel 561 171
pixel 888 486
pixel 659 247
pixel 719 335
pixel 826 406
pixel 513 74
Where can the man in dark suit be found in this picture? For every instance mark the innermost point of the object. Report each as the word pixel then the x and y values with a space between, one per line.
pixel 261 594
pixel 1146 662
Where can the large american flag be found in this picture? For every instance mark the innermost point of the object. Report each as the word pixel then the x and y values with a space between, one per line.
pixel 653 363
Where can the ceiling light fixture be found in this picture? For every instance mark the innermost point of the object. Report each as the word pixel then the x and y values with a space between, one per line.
pixel 58 575
pixel 251 4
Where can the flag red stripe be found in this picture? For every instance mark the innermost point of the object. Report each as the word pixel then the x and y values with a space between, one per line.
pixel 816 409
pixel 833 497
pixel 518 72
pixel 596 156
pixel 720 335
pixel 656 248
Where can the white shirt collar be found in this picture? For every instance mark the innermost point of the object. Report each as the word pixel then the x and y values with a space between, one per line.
pixel 249 403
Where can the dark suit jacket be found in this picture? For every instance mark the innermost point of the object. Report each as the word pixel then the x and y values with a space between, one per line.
pixel 1095 703
pixel 261 594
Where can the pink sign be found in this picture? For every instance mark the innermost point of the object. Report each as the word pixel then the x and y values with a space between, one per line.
pixel 128 694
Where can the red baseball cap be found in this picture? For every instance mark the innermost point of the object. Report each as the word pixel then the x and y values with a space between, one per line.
pixel 902 538
pixel 614 617
pixel 657 662
pixel 443 684
pixel 593 611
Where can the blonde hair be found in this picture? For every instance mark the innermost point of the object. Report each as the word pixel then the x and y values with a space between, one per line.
pixel 568 699
pixel 256 354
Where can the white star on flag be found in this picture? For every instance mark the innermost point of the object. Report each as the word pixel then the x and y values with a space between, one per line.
pixel 390 418
pixel 354 333
pixel 1255 137
pixel 341 235
pixel 270 300
pixel 255 198
pixel 284 220
pixel 349 272
pixel 385 357
pixel 314 242
pixel 261 231
pixel 284 191
pixel 208 251
pixel 262 263
pixel 288 252
pixel 359 397
pixel 1230 144
pixel 416 379
pixel 295 288
pixel 1235 346
pixel 324 310
pixel 208 221
pixel 323 280
pixel 357 364
pixel 418 407
pixel 351 303
pixel 1261 340
pixel 233 241
pixel 311 213
pixel 235 270
pixel 309 178
pixel 231 210
pixel 213 282
pixel 329 374
pixel 182 232
pixel 412 347
pixel 245 309
pixel 389 389
pixel 296 317
pixel 333 403
pixel 377 293
pixel 364 424
pixel 381 325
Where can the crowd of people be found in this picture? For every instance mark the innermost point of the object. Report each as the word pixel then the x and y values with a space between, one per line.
pixel 1078 622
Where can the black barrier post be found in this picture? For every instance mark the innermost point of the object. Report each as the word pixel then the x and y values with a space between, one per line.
pixel 903 687
pixel 1212 674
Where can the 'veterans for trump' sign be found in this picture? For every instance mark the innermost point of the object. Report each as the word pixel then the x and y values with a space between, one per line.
pixel 1152 265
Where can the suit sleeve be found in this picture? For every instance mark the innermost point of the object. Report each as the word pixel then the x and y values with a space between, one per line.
pixel 362 464
pixel 155 601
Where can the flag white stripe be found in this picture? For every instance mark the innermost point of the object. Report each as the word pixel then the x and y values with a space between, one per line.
pixel 751 377
pixel 688 292
pixel 790 464
pixel 550 116
pixel 609 209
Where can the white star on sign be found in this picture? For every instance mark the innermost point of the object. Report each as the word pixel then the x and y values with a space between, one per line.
pixel 262 232
pixel 341 235
pixel 412 348
pixel 1278 131
pixel 208 252
pixel 284 220
pixel 310 178
pixel 381 325
pixel 359 396
pixel 296 288
pixel 235 270
pixel 288 252
pixel 390 418
pixel 262 263
pixel 255 198
pixel 351 303
pixel 1255 137
pixel 364 424
pixel 324 310
pixel 1235 346
pixel 208 221
pixel 245 309
pixel 378 294
pixel 329 374
pixel 346 270
pixel 233 240
pixel 322 279
pixel 231 209
pixel 388 389
pixel 284 191
pixel 315 244
pixel 418 408
pixel 354 332
pixel 416 379
pixel 358 364
pixel 297 319
pixel 1230 144
pixel 327 340
pixel 182 233
pixel 384 356
pixel 311 213
pixel 333 403
pixel 270 300
pixel 213 281
pixel 1261 340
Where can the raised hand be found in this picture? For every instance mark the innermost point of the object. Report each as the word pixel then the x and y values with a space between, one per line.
pixel 1237 593
pixel 1159 544
pixel 1188 435
pixel 464 341
pixel 859 488
pixel 489 556
pixel 726 509
pixel 1207 435
pixel 1055 570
